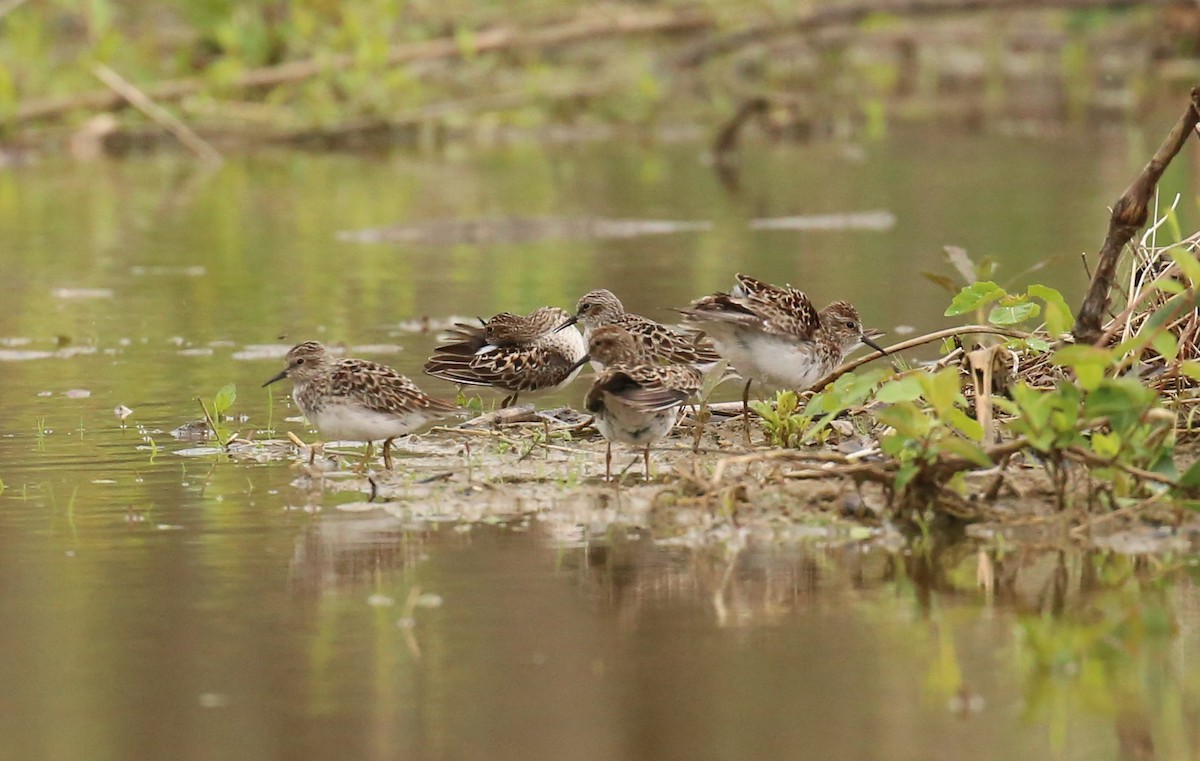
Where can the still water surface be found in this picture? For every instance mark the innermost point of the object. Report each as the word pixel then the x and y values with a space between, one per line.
pixel 154 605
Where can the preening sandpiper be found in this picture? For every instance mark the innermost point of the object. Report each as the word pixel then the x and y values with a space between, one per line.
pixel 519 354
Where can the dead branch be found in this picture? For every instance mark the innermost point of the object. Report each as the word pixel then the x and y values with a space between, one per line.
pixel 918 341
pixel 823 16
pixel 446 48
pixel 160 116
pixel 726 141
pixel 1129 214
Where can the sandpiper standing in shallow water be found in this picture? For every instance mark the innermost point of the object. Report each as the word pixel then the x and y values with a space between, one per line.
pixel 634 400
pixel 774 336
pixel 660 343
pixel 512 353
pixel 357 400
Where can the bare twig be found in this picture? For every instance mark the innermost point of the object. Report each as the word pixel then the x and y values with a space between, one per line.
pixel 165 119
pixel 1129 214
pixel 1091 458
pixel 823 15
pixel 937 335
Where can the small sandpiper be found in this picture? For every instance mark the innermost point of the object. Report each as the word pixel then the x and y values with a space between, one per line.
pixel 660 343
pixel 634 400
pixel 357 400
pixel 520 354
pixel 774 335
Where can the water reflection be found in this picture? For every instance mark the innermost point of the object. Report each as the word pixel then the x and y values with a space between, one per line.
pixel 760 647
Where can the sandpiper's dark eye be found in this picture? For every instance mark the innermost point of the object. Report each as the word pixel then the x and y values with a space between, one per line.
pixel 850 324
pixel 300 361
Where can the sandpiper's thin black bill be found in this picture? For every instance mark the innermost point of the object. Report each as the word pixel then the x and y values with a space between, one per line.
pixel 282 374
pixel 873 345
pixel 570 321
pixel 586 358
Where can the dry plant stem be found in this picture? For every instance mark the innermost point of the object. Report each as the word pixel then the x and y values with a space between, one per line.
pixel 773 455
pixel 207 417
pixel 826 15
pixel 447 48
pixel 918 341
pixel 1129 215
pixel 141 102
pixel 1088 526
pixel 1090 458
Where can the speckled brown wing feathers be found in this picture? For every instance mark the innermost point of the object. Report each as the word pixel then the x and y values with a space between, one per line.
pixel 379 388
pixel 515 363
pixel 772 309
pixel 665 345
pixel 647 388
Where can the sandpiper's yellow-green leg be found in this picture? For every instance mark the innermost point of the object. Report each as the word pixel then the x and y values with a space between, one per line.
pixel 746 412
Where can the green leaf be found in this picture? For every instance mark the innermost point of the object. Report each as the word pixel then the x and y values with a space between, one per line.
pixel 906 389
pixel 1088 362
pixel 1121 400
pixel 908 419
pixel 1058 315
pixel 904 474
pixel 1190 368
pixel 967 451
pixel 969 426
pixel 1188 264
pixel 941 389
pixel 224 399
pixel 1107 445
pixel 1169 285
pixel 973 297
pixel 1191 477
pixel 1013 314
pixel 1166 345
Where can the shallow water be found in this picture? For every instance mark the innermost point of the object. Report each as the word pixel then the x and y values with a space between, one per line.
pixel 157 605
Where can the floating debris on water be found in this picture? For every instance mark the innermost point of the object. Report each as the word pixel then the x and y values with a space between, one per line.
pixel 195 270
pixel 77 393
pixel 530 229
pixel 122 412
pixel 428 324
pixel 520 230
pixel 866 220
pixel 193 430
pixel 22 355
pixel 82 293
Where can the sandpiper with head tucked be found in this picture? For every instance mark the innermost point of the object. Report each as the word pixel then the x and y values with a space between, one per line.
pixel 634 400
pixel 357 400
pixel 775 336
pixel 511 352
pixel 660 343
